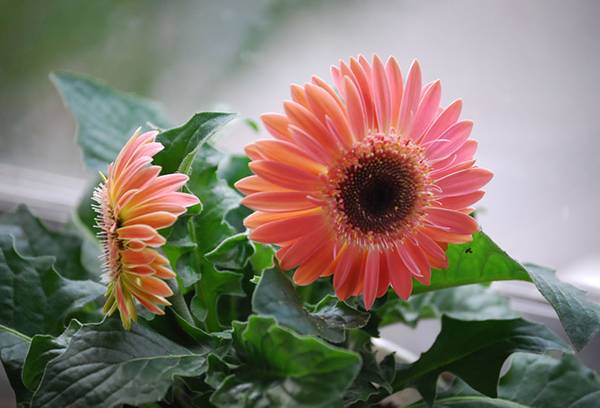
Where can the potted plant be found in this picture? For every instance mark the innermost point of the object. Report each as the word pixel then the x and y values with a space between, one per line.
pixel 191 277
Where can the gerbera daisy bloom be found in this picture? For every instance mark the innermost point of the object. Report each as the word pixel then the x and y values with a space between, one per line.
pixel 368 182
pixel 133 203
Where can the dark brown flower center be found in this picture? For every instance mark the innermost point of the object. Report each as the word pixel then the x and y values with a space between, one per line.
pixel 378 192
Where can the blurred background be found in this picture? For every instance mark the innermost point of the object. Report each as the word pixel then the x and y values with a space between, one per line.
pixel 527 71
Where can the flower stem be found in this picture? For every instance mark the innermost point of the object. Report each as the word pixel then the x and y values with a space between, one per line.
pixel 178 302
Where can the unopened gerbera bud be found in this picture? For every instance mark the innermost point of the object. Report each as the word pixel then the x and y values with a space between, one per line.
pixel 368 182
pixel 133 203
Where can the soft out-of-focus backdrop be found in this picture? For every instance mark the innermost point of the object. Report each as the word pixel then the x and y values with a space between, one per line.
pixel 527 71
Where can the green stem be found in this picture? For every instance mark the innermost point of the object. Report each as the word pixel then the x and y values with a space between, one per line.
pixel 178 302
pixel 15 333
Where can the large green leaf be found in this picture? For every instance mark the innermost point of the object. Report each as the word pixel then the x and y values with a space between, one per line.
pixel 536 381
pixel 374 379
pixel 33 238
pixel 482 261
pixel 579 315
pixel 209 289
pixel 235 261
pixel 182 143
pixel 262 258
pixel 281 369
pixel 106 366
pixel 197 235
pixel 470 302
pixel 193 236
pixel 44 348
pixel 218 199
pixel 232 253
pixel 478 261
pixel 475 352
pixel 13 349
pixel 106 118
pixel 34 298
pixel 275 296
pixel 233 168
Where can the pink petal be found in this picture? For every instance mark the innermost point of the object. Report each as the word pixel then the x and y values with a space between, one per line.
pixel 381 94
pixel 285 175
pixel 310 146
pixel 287 229
pixel 433 251
pixel 321 83
pixel 394 76
pixel 156 220
pixel 363 85
pixel 427 110
pixel 371 278
pixel 450 141
pixel 417 256
pixel 278 201
pixel 288 153
pixel 140 232
pixel 255 184
pixel 444 120
pixel 355 109
pixel 308 122
pixel 412 94
pixel 400 276
pixel 328 105
pixel 317 265
pixel 298 95
pixel 462 201
pixel 277 125
pixel 451 221
pixel 463 182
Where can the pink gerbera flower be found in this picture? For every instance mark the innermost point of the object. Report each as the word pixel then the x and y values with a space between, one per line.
pixel 132 204
pixel 368 182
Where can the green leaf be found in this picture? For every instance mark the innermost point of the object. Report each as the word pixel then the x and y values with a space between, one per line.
pixel 218 199
pixel 478 261
pixel 206 231
pixel 106 366
pixel 471 302
pixel 194 235
pixel 532 381
pixel 34 298
pixel 33 238
pixel 579 316
pixel 233 168
pixel 374 380
pixel 275 296
pixel 13 349
pixel 475 352
pixel 252 124
pixel 218 370
pixel 262 258
pixel 482 261
pixel 280 369
pixel 43 349
pixel 232 253
pixel 182 143
pixel 209 290
pixel 106 118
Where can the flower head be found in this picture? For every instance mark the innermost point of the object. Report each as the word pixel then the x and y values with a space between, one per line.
pixel 368 182
pixel 132 204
